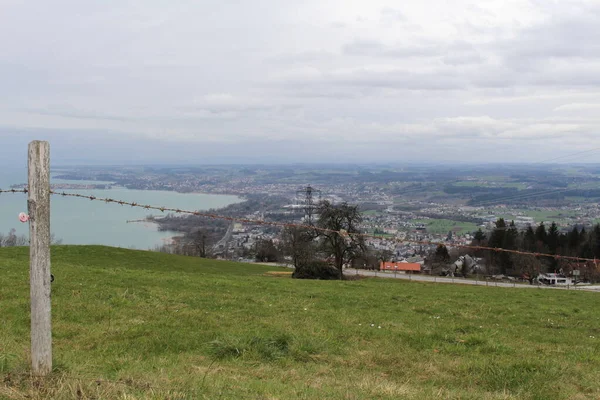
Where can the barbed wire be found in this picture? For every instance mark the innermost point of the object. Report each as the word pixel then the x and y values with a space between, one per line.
pixel 302 226
pixel 163 209
pixel 311 227
pixel 13 191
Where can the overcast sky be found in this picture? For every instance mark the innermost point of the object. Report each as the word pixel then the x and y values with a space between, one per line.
pixel 195 81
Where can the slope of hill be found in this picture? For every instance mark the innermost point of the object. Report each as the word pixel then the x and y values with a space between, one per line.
pixel 136 325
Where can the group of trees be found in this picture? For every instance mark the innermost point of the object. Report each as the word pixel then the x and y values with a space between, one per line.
pixel 198 242
pixel 12 239
pixel 577 242
pixel 317 251
pixel 265 250
pixel 321 251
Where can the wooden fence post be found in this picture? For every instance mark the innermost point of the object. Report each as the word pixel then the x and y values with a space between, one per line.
pixel 38 204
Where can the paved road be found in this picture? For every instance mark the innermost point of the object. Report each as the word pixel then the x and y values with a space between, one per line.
pixel 225 239
pixel 442 279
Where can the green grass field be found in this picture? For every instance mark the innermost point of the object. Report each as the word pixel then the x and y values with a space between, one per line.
pixel 371 212
pixel 139 325
pixel 443 226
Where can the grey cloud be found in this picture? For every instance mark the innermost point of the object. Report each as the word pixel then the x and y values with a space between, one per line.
pixel 70 112
pixel 563 51
pixel 401 79
pixel 302 57
pixel 363 47
pixel 570 75
pixel 452 54
pixel 377 48
pixel 389 14
pixel 578 107
pixel 462 58
pixel 563 38
pixel 276 77
pixel 529 58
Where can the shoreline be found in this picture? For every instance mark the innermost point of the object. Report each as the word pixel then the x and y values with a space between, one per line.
pixel 114 233
pixel 57 183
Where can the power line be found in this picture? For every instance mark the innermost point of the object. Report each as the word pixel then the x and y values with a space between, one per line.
pixel 568 155
pixel 309 204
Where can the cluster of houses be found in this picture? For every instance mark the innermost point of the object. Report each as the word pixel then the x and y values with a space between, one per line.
pixel 417 265
pixel 473 266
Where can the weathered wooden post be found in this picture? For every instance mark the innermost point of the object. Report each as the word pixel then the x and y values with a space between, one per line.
pixel 38 204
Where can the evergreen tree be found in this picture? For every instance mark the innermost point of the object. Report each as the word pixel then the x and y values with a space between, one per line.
pixel 498 234
pixel 479 237
pixel 563 244
pixel 596 241
pixel 585 250
pixel 529 239
pixel 541 235
pixel 573 239
pixel 510 239
pixel 510 243
pixel 497 239
pixel 479 240
pixel 552 238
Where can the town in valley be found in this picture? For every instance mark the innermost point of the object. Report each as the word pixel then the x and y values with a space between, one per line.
pixel 406 210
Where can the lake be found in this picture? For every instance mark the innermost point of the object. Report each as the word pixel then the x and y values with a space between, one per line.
pixel 80 221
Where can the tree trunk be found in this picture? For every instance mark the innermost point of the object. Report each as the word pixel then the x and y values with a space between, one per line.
pixel 339 264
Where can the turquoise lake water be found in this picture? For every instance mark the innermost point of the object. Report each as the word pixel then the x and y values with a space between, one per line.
pixel 80 221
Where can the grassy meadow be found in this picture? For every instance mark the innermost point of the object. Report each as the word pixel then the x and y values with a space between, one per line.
pixel 140 325
pixel 442 226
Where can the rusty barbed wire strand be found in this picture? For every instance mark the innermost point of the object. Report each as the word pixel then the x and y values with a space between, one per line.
pixel 160 208
pixel 13 191
pixel 294 225
pixel 319 229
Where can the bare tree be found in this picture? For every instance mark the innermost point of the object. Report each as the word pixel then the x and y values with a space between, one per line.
pixel 266 251
pixel 54 240
pixel 11 239
pixel 298 243
pixel 196 244
pixel 340 236
pixel 529 266
pixel 199 243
